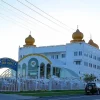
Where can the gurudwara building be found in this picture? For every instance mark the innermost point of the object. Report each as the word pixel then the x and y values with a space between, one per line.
pixel 71 60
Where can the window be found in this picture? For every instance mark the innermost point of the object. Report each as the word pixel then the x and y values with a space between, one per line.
pixel 52 56
pixel 80 53
pixel 90 65
pixel 86 55
pixel 94 66
pixel 85 63
pixel 63 55
pixel 77 62
pixel 56 56
pixel 56 71
pixel 90 55
pixel 98 67
pixel 75 53
pixel 94 57
pixel 98 58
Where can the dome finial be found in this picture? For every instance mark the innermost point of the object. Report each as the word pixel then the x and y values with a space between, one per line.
pixel 90 36
pixel 77 26
pixel 30 32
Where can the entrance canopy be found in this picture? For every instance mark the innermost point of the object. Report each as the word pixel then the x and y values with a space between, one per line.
pixel 8 63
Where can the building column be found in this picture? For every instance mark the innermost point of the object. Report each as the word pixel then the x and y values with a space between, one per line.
pixel 50 80
pixel 45 71
pixel 21 71
pixel 38 72
pixel 26 71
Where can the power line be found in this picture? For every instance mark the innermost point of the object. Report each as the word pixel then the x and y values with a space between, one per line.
pixel 30 22
pixel 48 15
pixel 29 16
pixel 13 21
pixel 16 22
pixel 41 15
pixel 22 18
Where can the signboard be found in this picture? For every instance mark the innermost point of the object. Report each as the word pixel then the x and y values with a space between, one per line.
pixel 8 63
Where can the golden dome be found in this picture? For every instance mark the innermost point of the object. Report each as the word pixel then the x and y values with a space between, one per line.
pixel 93 44
pixel 29 40
pixel 96 45
pixel 77 35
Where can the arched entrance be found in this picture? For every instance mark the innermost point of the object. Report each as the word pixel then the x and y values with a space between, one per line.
pixel 9 63
pixel 37 65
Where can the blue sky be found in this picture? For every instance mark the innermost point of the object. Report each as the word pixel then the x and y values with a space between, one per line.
pixel 84 13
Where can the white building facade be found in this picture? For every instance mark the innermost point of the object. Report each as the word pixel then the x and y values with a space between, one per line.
pixel 71 60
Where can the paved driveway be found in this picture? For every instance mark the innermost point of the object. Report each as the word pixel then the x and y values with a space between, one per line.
pixel 15 97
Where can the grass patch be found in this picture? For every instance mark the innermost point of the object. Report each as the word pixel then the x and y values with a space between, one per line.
pixel 48 93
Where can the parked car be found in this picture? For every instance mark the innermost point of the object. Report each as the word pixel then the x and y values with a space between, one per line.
pixel 92 88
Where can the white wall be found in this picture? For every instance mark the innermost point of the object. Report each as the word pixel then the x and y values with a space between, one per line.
pixel 69 50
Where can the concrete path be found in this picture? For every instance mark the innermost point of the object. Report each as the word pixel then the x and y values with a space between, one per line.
pixel 15 97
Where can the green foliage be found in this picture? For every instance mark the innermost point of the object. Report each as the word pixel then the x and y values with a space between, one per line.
pixel 89 77
pixel 48 93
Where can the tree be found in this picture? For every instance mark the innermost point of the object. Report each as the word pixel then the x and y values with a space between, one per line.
pixel 89 77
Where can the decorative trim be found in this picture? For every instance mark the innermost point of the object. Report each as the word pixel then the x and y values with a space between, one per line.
pixel 35 55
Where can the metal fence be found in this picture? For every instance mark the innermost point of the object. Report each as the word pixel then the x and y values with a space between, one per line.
pixel 22 84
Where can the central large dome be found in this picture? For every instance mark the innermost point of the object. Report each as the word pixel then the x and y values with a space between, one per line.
pixel 77 35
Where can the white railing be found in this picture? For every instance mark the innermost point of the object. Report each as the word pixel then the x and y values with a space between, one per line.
pixel 8 84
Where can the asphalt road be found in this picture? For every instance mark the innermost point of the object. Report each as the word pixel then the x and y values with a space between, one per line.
pixel 15 97
pixel 78 97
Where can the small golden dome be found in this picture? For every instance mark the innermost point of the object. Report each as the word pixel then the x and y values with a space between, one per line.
pixel 77 35
pixel 96 45
pixel 29 40
pixel 93 44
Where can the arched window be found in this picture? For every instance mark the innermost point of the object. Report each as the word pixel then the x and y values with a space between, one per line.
pixel 24 70
pixel 42 67
pixel 33 64
pixel 48 70
pixel 33 68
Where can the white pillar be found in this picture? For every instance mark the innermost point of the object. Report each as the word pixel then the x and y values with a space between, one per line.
pixel 26 71
pixel 45 71
pixel 21 71
pixel 38 72
pixel 18 85
pixel 50 80
pixel 50 84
